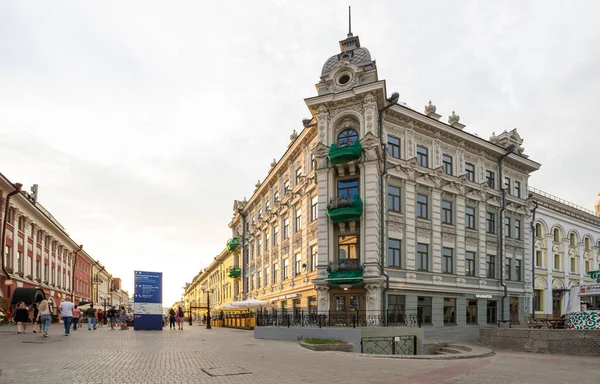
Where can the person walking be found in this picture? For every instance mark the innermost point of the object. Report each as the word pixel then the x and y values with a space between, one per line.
pixel 100 316
pixel 44 317
pixel 66 313
pixel 171 318
pixel 91 317
pixel 112 317
pixel 34 319
pixel 21 317
pixel 180 318
pixel 76 317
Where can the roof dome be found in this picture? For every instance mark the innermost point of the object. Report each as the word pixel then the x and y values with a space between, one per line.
pixel 359 57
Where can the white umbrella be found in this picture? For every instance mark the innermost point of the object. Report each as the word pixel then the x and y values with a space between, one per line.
pixel 229 306
pixel 252 304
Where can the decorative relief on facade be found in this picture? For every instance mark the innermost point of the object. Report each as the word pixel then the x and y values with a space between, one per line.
pixel 410 137
pixel 423 234
pixel 423 224
pixel 396 227
pixel 461 280
pixel 411 276
pixel 447 237
pixel 373 293
pixel 437 279
pixel 471 242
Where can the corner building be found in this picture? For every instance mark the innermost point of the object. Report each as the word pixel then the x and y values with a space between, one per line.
pixel 378 208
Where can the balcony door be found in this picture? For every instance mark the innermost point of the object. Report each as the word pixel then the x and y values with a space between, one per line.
pixel 347 303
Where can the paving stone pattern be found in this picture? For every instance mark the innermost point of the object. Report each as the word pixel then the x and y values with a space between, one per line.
pixel 196 355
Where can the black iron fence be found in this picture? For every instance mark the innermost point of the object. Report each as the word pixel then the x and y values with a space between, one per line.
pixel 392 345
pixel 338 319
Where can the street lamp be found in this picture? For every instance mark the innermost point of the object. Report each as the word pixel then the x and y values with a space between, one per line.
pixel 103 297
pixel 192 302
pixel 208 292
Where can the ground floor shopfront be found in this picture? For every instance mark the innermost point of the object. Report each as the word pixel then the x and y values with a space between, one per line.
pixel 53 296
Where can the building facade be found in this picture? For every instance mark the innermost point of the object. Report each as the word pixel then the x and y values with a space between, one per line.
pixel 567 242
pixel 376 207
pixel 39 253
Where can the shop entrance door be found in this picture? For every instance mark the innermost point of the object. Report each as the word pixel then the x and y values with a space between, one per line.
pixel 556 304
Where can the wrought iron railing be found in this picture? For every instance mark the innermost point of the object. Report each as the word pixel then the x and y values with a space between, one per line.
pixel 393 345
pixel 345 265
pixel 351 319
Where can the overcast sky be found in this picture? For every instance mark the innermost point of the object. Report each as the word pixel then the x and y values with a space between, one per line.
pixel 142 122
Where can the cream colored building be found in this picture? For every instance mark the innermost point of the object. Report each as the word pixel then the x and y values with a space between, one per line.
pixel 567 243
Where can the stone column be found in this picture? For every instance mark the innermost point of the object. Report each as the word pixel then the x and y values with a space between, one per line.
pixel 410 214
pixel 580 252
pixel 435 257
pixel 460 246
pixel 482 251
pixel 550 268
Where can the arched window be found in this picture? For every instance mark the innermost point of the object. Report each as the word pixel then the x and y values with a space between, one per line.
pixel 587 243
pixel 556 235
pixel 572 240
pixel 538 230
pixel 347 137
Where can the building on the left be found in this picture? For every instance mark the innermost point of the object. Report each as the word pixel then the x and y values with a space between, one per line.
pixel 39 253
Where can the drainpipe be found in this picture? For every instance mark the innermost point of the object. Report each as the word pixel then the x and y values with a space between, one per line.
pixel 533 259
pixel 509 150
pixel 17 187
pixel 392 101
pixel 73 274
pixel 244 255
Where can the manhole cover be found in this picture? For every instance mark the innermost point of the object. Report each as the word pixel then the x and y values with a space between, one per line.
pixel 227 371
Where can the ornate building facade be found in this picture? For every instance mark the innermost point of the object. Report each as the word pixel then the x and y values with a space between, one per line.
pixel 567 243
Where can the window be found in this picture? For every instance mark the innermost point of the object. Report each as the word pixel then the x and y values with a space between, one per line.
pixel 39 236
pixel 21 223
pixel 394 253
pixel 492 310
pixel 275 234
pixel 313 257
pixel 46 272
pixel 275 273
pixel 538 230
pixel 447 262
pixel 298 176
pixel 396 303
pixel 286 228
pixel 267 241
pixel 508 269
pixel 424 309
pixel 537 301
pixel 19 261
pixel 507 185
pixel 347 137
pixel 470 171
pixel 252 282
pixel 422 156
pixel 449 311
pixel 572 240
pixel 491 223
pixel 286 187
pixel 470 263
pixel 446 212
pixel 447 164
pixel 491 266
pixel 422 257
pixel 393 147
pixel 471 311
pixel 538 258
pixel 313 162
pixel 286 265
pixel 348 188
pixel 518 229
pixel 298 218
pixel 470 217
pixel 258 280
pixel 347 247
pixel 312 305
pixel 490 178
pixel 314 208
pixel 518 270
pixel 393 198
pixel 518 189
pixel 10 216
pixel 38 269
pixel 47 242
pixel 276 196
pixel 573 264
pixel 422 210
pixel 258 246
pixel 507 227
pixel 298 264
pixel 8 253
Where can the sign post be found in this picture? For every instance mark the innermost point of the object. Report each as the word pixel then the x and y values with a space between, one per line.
pixel 147 301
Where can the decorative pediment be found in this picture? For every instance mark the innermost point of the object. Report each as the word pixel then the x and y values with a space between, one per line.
pixel 369 140
pixel 453 187
pixel 320 150
pixel 427 179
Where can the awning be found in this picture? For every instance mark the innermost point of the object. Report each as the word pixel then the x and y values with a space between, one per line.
pixel 28 295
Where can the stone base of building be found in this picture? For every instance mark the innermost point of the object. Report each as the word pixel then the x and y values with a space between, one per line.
pixel 557 341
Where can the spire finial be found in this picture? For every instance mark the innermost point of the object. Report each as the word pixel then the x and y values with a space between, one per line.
pixel 349 21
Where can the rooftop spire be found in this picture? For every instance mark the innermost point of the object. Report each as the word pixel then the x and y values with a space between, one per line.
pixel 349 21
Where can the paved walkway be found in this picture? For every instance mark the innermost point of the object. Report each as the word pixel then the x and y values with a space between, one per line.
pixel 197 355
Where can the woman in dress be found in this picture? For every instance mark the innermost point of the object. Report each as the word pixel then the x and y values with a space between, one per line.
pixel 21 317
pixel 44 316
pixel 180 318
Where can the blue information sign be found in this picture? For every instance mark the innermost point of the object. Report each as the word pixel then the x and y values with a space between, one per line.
pixel 147 301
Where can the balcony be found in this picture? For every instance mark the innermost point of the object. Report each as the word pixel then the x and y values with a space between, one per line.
pixel 344 210
pixel 343 154
pixel 234 273
pixel 232 244
pixel 346 271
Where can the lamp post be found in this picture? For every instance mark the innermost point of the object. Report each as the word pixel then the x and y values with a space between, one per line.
pixel 103 297
pixel 192 302
pixel 208 292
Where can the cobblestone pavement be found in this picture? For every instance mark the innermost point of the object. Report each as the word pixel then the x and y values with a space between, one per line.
pixel 198 355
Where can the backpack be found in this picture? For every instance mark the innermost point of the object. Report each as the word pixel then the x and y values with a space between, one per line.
pixel 180 313
pixel 172 312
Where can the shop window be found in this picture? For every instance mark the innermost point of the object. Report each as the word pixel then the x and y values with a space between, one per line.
pixel 492 311
pixel 449 311
pixel 424 309
pixel 472 311
pixel 538 300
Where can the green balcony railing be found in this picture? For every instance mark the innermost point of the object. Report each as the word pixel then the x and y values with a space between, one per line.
pixel 343 154
pixel 232 244
pixel 347 271
pixel 344 210
pixel 234 273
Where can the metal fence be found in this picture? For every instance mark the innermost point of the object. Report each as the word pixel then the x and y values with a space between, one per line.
pixel 393 345
pixel 338 319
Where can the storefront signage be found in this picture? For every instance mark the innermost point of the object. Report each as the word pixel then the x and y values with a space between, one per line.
pixel 595 275
pixel 481 296
pixel 147 301
pixel 291 296
pixel 590 289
